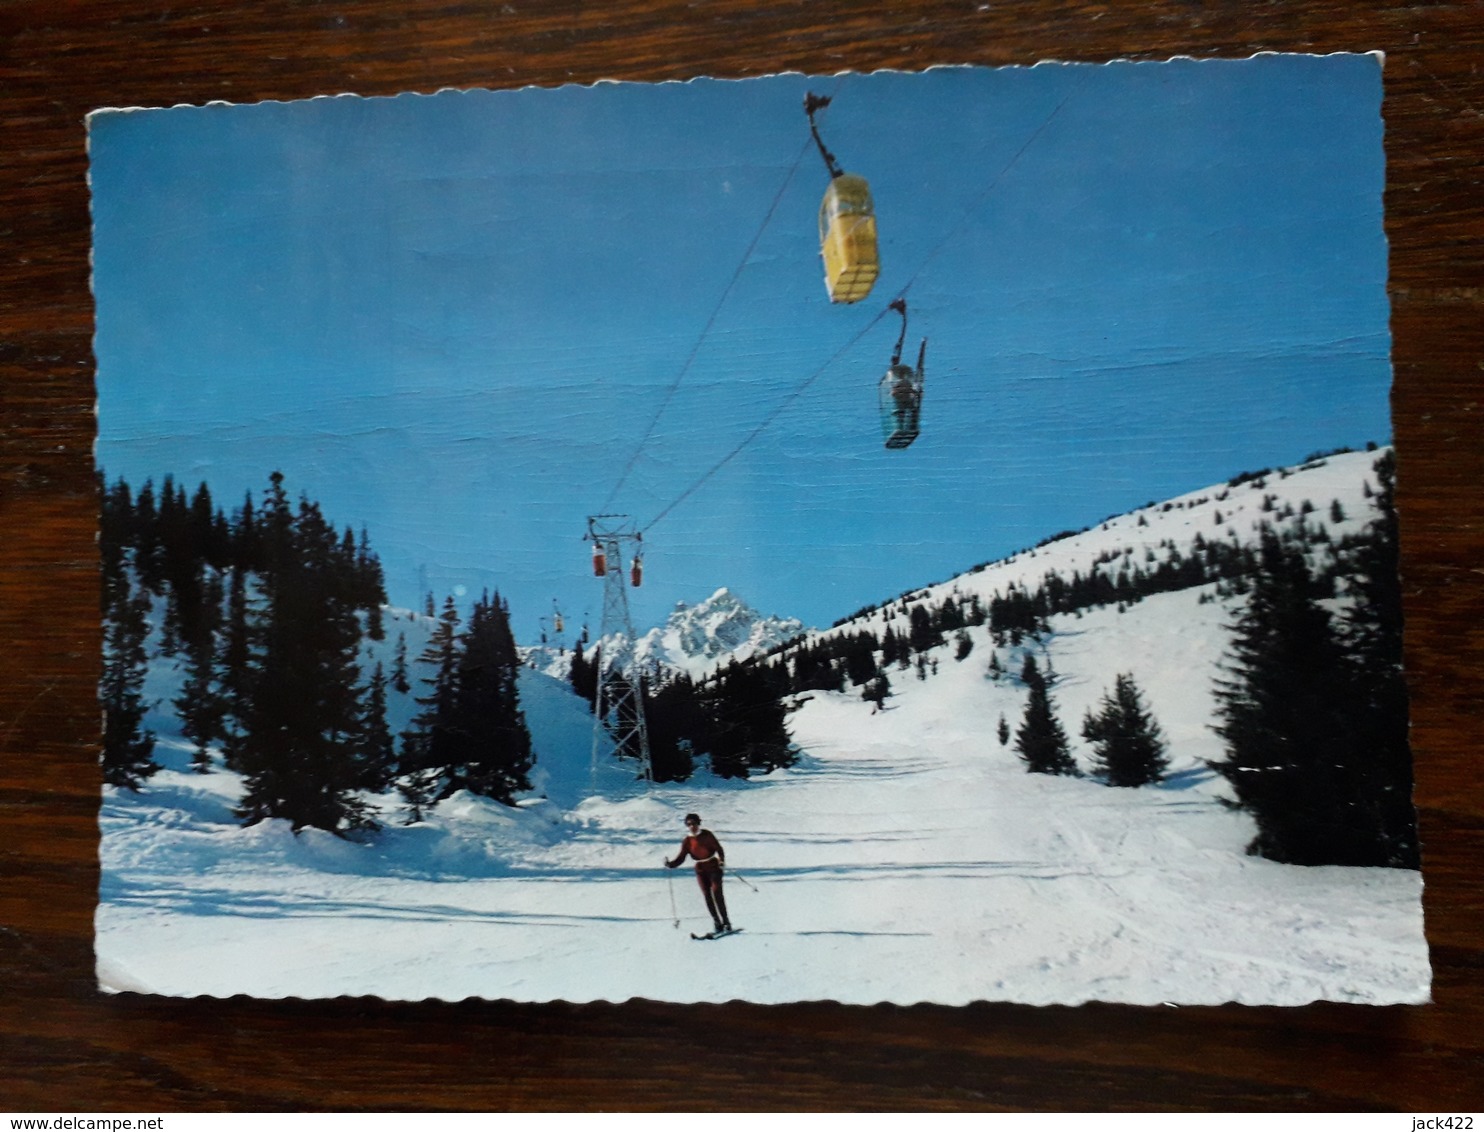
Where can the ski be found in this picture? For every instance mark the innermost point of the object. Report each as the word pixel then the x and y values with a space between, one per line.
pixel 715 935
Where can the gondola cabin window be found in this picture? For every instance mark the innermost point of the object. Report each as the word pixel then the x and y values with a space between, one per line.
pixel 847 238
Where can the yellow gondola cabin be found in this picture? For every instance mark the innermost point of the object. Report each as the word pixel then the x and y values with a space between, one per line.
pixel 847 239
pixel 847 224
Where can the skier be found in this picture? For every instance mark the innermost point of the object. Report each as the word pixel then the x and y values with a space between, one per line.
pixel 906 399
pixel 701 845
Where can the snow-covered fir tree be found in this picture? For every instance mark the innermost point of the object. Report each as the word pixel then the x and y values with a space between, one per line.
pixel 399 666
pixel 1371 628
pixel 489 747
pixel 127 745
pixel 377 749
pixel 676 721
pixel 1130 747
pixel 1040 740
pixel 748 733
pixel 426 742
pixel 200 706
pixel 297 752
pixel 1313 711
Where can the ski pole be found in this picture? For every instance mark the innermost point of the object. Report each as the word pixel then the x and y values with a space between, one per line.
pixel 670 883
pixel 744 880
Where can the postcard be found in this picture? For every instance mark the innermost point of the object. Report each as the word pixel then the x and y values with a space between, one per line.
pixel 894 537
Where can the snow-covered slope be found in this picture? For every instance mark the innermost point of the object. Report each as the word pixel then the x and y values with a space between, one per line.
pixel 1171 643
pixel 1221 513
pixel 906 857
pixel 551 660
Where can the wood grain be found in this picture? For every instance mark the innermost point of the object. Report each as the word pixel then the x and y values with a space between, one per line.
pixel 64 1046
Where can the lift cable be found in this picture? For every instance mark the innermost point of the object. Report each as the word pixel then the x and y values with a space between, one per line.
pixel 978 202
pixel 705 330
pixel 799 389
pixel 766 421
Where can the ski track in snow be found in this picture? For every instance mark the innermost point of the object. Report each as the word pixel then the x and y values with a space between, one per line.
pixel 907 857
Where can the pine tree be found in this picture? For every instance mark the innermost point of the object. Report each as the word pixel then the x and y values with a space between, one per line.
pixel 146 540
pixel 584 673
pixel 419 790
pixel 166 569
pixel 1293 755
pixel 678 728
pixel 1040 740
pixel 185 560
pixel 489 746
pixel 297 750
pixel 200 706
pixel 426 742
pixel 892 648
pixel 370 587
pixel 922 634
pixel 1371 633
pixel 127 746
pixel 115 528
pixel 244 551
pixel 1129 744
pixel 208 530
pixel 234 674
pixel 963 645
pixel 1004 730
pixel 748 728
pixel 377 751
pixel 399 666
pixel 860 658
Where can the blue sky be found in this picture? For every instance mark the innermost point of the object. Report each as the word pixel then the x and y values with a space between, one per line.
pixel 452 318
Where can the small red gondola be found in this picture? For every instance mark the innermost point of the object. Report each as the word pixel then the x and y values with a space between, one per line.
pixel 600 561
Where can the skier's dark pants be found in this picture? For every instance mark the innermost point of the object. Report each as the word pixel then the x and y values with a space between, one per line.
pixel 710 882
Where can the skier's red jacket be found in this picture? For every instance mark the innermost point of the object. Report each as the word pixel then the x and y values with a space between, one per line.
pixel 705 849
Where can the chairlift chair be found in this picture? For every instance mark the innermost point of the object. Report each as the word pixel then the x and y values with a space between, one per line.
pixel 900 391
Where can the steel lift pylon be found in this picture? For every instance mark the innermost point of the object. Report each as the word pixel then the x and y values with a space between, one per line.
pixel 618 707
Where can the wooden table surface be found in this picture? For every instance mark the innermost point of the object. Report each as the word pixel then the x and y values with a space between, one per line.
pixel 63 1046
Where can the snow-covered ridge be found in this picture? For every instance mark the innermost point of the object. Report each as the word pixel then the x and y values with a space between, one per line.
pixel 1224 512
